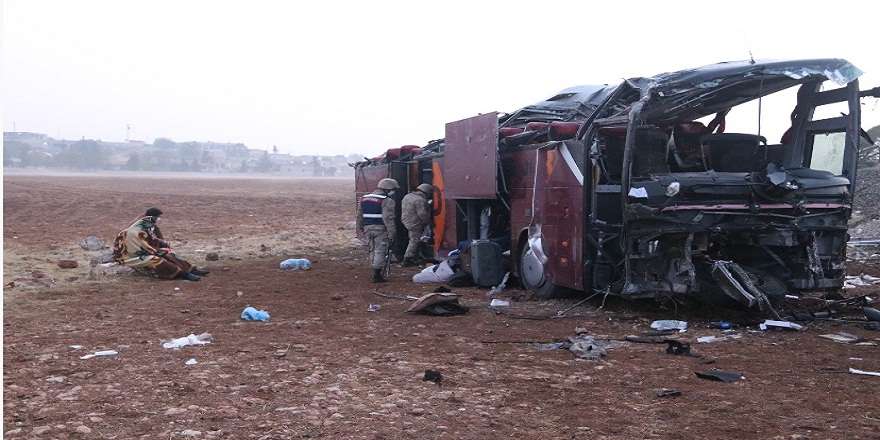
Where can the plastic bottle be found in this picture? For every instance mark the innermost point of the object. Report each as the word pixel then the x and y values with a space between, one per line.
pixel 296 264
pixel 723 325
pixel 497 289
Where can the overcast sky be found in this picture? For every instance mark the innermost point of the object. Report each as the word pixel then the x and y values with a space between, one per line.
pixel 342 77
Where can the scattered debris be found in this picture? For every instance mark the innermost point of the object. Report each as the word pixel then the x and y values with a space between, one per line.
pixel 705 339
pixel 588 348
pixel 438 273
pixel 296 264
pixel 100 353
pixel 499 303
pixel 669 393
pixel 374 308
pixel 541 346
pixel 433 376
pixel 497 289
pixel 780 324
pixel 872 314
pixel 670 324
pixel 191 362
pixel 807 315
pixel 678 348
pixel 844 338
pixel 719 375
pixel 438 304
pixel 202 339
pixel 869 373
pixel 647 339
pixel 860 280
pixel 582 346
pixel 252 314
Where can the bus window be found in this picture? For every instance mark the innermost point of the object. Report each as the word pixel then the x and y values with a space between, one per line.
pixel 827 152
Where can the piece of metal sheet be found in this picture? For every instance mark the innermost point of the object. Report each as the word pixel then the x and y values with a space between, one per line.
pixel 471 152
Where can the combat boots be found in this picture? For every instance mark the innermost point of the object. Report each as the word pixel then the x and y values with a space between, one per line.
pixel 408 262
pixel 377 276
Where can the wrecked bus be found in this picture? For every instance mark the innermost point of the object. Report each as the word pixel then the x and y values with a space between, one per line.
pixel 649 189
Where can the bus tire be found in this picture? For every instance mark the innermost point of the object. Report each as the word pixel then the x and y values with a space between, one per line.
pixel 534 278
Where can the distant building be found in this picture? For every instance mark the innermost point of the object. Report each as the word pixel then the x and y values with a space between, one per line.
pixel 35 139
pixel 208 156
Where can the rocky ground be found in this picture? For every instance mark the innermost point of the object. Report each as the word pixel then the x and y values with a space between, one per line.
pixel 324 366
pixel 865 223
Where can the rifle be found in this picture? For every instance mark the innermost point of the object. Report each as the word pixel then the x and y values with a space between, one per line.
pixel 386 272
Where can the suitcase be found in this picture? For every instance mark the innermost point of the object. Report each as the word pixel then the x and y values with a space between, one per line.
pixel 483 260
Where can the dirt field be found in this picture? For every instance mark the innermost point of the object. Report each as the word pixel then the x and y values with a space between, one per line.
pixel 323 366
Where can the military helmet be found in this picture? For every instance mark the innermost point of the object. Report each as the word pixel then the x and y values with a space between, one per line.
pixel 387 184
pixel 425 188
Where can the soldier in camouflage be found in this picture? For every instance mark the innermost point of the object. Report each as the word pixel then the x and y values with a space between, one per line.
pixel 415 215
pixel 375 218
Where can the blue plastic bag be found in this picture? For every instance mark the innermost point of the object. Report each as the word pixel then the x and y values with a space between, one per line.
pixel 252 314
pixel 296 264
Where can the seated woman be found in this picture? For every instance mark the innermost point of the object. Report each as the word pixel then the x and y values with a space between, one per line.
pixel 142 246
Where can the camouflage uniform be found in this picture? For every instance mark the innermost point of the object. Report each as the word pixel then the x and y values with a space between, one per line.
pixel 377 224
pixel 415 215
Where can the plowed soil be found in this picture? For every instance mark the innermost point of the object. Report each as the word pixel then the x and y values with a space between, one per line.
pixel 323 366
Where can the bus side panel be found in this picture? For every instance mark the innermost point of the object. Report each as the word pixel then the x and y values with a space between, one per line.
pixel 565 214
pixel 558 211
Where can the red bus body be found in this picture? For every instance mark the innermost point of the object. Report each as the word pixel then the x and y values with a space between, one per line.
pixel 596 188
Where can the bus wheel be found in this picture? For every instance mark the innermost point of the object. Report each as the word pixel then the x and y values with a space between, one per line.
pixel 533 278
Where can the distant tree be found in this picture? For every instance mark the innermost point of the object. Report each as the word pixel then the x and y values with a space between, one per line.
pixel 274 149
pixel 162 162
pixel 189 150
pixel 82 155
pixel 264 164
pixel 37 159
pixel 134 163
pixel 164 142
pixel 15 153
